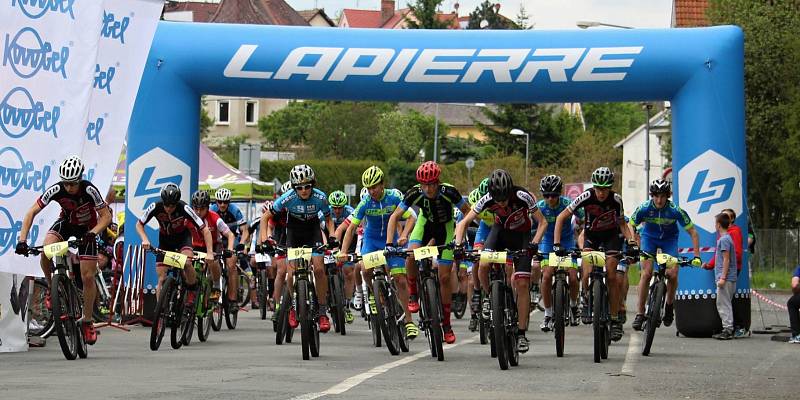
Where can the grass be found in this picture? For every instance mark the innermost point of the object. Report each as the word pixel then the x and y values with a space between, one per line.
pixel 771 280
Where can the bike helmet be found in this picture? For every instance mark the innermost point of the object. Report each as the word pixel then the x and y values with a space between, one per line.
pixel 372 176
pixel 602 177
pixel 428 172
pixel 301 174
pixel 551 184
pixel 223 194
pixel 170 194
pixel 364 193
pixel 71 169
pixel 287 186
pixel 660 186
pixel 200 199
pixel 337 199
pixel 500 184
pixel 483 187
pixel 474 196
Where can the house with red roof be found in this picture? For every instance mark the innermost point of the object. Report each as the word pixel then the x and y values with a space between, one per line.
pixel 388 17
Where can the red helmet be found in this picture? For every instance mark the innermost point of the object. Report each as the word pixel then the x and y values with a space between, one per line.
pixel 428 172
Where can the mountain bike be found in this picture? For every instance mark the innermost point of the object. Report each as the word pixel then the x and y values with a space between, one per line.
pixel 654 310
pixel 263 289
pixel 283 332
pixel 66 304
pixel 560 296
pixel 336 301
pixel 170 308
pixel 204 308
pixel 231 308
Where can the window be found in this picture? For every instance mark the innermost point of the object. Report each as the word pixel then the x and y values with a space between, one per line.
pixel 223 112
pixel 251 113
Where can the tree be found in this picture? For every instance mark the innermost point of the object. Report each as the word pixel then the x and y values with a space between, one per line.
pixel 402 134
pixel 551 131
pixel 522 18
pixel 487 11
pixel 613 120
pixel 424 14
pixel 206 122
pixel 291 124
pixel 347 130
pixel 771 54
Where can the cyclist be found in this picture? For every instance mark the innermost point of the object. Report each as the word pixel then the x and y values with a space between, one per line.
pixel 218 228
pixel 484 226
pixel 237 223
pixel 173 215
pixel 515 210
pixel 459 276
pixel 375 209
pixel 302 205
pixel 275 229
pixel 84 215
pixel 660 218
pixel 604 226
pixel 434 224
pixel 341 215
pixel 551 206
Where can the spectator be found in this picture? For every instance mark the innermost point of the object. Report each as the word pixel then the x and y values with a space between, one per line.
pixel 724 275
pixel 794 307
pixel 738 243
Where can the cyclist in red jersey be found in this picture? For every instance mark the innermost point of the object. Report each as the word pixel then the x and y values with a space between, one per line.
pixel 218 228
pixel 84 214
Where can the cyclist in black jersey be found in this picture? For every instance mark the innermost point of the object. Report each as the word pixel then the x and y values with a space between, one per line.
pixel 84 215
pixel 172 215
pixel 604 228
pixel 435 225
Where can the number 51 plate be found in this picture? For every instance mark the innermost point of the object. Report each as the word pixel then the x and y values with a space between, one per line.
pixel 425 252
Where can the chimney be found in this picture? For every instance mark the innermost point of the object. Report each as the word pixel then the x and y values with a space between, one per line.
pixel 387 10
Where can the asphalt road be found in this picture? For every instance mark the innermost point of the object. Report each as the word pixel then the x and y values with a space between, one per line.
pixel 246 363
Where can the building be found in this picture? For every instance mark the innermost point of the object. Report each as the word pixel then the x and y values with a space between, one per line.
pixel 460 117
pixel 689 13
pixel 634 181
pixel 317 17
pixel 388 17
pixel 190 11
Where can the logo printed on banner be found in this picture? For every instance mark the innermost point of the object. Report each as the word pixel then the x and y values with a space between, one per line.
pixel 16 173
pixel 35 9
pixel 27 54
pixel 9 231
pixel 597 64
pixel 113 29
pixel 709 184
pixel 93 130
pixel 149 173
pixel 102 79
pixel 19 113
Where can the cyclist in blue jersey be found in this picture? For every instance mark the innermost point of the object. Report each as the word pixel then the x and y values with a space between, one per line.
pixel 237 223
pixel 341 212
pixel 303 204
pixel 660 218
pixel 375 210
pixel 551 206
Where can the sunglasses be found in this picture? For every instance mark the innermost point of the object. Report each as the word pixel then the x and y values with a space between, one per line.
pixel 70 184
pixel 223 202
pixel 550 195
pixel 303 187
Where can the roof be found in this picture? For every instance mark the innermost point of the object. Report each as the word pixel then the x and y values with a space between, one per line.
pixel 690 13
pixel 452 114
pixel 308 15
pixel 372 19
pixel 201 11
pixel 263 12
pixel 658 122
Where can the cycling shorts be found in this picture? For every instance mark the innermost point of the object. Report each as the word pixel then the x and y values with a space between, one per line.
pixel 483 232
pixel 441 234
pixel 500 239
pixel 397 265
pixel 608 241
pixel 545 248
pixel 64 230
pixel 177 242
pixel 304 235
pixel 667 246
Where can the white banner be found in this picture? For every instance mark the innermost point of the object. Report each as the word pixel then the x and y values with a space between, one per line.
pixel 13 313
pixel 69 75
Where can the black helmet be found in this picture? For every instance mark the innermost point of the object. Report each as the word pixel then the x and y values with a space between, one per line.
pixel 500 184
pixel 170 194
pixel 602 177
pixel 660 186
pixel 201 199
pixel 551 184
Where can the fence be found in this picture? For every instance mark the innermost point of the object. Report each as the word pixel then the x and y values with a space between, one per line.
pixel 777 250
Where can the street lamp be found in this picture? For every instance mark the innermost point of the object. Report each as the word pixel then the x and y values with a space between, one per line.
pixel 519 132
pixel 647 108
pixel 595 24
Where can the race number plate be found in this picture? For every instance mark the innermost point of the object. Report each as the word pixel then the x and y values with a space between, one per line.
pixel 200 255
pixel 175 260
pixel 262 258
pixel 56 249
pixel 296 253
pixel 596 258
pixel 666 259
pixel 425 252
pixel 494 257
pixel 330 259
pixel 374 259
pixel 557 261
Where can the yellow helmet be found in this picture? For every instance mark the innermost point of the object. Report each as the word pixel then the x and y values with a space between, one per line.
pixel 372 176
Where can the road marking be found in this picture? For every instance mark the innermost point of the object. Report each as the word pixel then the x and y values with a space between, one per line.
pixel 632 356
pixel 356 380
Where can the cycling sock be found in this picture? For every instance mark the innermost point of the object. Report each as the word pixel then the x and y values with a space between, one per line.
pixel 446 321
pixel 359 289
pixel 573 303
pixel 412 287
pixel 192 286
pixel 323 309
pixel 548 312
pixel 270 286
pixel 521 332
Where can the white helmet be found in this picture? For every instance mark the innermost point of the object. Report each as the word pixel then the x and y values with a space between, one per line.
pixel 364 193
pixel 223 194
pixel 287 186
pixel 71 169
pixel 301 174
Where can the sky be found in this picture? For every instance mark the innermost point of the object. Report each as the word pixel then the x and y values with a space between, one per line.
pixel 545 14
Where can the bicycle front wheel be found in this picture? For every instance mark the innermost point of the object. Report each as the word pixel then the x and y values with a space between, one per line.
pixel 499 325
pixel 653 316
pixel 303 312
pixel 386 317
pixel 66 328
pixel 165 299
pixel 597 324
pixel 559 313
pixel 435 314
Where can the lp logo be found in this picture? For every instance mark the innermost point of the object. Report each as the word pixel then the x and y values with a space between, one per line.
pixel 149 173
pixel 708 184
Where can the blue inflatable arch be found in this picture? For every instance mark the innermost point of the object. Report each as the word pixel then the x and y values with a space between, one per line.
pixel 699 70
